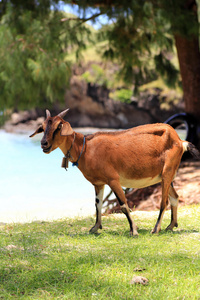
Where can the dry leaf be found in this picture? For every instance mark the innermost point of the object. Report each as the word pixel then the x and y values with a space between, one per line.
pixel 139 280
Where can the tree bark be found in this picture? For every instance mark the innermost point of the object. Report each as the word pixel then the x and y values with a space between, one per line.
pixel 189 61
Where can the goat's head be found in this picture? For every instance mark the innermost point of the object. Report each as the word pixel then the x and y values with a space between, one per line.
pixel 54 129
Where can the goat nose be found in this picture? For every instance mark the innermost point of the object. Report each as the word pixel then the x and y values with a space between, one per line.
pixel 44 143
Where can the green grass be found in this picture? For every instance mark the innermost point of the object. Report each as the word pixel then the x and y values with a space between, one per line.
pixel 60 260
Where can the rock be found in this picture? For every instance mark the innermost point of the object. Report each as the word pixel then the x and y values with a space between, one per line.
pixel 122 118
pixel 23 116
pixel 85 121
pixel 77 98
pixel 160 104
pixel 90 106
pixel 23 127
pixel 39 120
pixel 93 107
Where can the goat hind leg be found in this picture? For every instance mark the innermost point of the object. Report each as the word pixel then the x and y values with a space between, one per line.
pixel 173 198
pixel 117 189
pixel 99 190
pixel 163 206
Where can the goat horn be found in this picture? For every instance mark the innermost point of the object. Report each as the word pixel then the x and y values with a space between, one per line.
pixel 48 113
pixel 63 113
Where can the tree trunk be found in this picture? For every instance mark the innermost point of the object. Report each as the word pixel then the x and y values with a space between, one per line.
pixel 189 61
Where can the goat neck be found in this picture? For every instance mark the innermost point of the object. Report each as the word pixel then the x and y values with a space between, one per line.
pixel 73 146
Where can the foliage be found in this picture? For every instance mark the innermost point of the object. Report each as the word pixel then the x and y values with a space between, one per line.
pixel 33 49
pixel 142 32
pixel 122 95
pixel 97 75
pixel 59 260
pixel 37 36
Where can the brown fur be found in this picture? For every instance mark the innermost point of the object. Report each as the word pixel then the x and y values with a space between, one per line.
pixel 136 157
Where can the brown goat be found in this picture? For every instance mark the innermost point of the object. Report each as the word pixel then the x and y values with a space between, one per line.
pixel 136 158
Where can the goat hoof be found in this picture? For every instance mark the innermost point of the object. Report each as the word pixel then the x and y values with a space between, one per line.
pixel 94 229
pixel 170 227
pixel 134 234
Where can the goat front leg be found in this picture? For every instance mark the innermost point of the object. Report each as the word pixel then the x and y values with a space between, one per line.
pixel 99 190
pixel 173 198
pixel 117 189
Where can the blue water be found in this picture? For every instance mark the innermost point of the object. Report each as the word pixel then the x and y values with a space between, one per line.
pixel 33 186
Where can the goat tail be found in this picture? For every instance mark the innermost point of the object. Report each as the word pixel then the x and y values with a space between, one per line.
pixel 187 146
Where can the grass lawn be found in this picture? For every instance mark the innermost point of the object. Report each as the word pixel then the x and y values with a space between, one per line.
pixel 60 260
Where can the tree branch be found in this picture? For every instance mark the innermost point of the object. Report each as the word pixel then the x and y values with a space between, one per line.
pixel 82 20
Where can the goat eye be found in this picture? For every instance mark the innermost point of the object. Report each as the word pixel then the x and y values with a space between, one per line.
pixel 60 126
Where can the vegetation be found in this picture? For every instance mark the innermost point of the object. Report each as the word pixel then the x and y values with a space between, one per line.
pixel 97 75
pixel 123 95
pixel 34 70
pixel 38 40
pixel 149 29
pixel 60 260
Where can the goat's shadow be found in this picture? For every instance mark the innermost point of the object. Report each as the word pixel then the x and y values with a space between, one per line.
pixel 126 233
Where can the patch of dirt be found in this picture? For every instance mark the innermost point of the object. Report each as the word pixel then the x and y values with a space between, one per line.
pixel 186 183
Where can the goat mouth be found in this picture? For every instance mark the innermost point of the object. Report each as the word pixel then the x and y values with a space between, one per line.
pixel 46 150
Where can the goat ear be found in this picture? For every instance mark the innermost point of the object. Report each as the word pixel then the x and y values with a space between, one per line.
pixel 39 130
pixel 66 129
